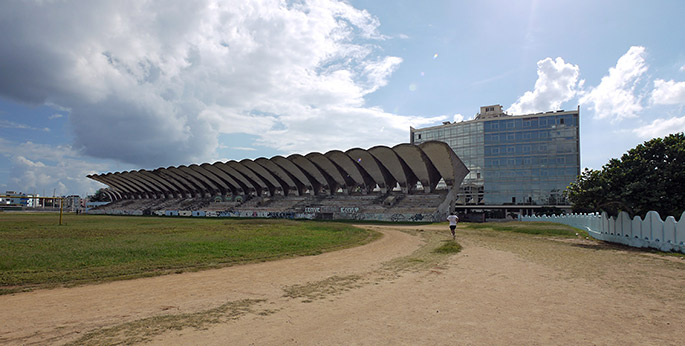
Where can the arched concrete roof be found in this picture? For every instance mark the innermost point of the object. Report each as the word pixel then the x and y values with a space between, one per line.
pixel 175 174
pixel 113 196
pixel 373 167
pixel 289 185
pixel 180 188
pixel 259 185
pixel 404 164
pixel 265 176
pixel 114 186
pixel 170 187
pixel 331 173
pixel 311 171
pixel 131 191
pixel 297 174
pixel 247 186
pixel 205 186
pixel 150 189
pixel 352 170
pixel 133 188
pixel 397 168
pixel 236 189
pixel 157 184
pixel 451 168
pixel 223 188
pixel 419 164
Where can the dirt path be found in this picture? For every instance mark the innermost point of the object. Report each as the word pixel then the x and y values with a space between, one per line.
pixel 501 289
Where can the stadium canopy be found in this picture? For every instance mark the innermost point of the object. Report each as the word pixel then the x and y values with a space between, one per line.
pixel 353 171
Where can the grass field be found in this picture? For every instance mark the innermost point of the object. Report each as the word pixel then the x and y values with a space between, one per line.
pixel 36 252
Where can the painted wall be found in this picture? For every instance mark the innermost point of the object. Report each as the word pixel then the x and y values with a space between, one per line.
pixel 312 214
pixel 651 232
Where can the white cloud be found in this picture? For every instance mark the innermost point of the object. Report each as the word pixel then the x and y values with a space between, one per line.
pixel 37 168
pixel 155 83
pixel 556 84
pixel 458 118
pixel 668 92
pixel 12 125
pixel 661 128
pixel 615 97
pixel 55 116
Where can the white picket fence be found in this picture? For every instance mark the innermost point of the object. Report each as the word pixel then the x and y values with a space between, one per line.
pixel 651 232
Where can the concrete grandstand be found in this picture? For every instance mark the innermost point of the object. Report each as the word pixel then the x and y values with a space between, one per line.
pixel 404 183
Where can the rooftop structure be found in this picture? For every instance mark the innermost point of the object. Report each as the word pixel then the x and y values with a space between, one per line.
pixel 513 159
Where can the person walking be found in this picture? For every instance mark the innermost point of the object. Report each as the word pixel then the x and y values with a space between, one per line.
pixel 453 219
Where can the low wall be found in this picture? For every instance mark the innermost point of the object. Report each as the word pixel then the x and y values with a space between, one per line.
pixel 312 214
pixel 651 232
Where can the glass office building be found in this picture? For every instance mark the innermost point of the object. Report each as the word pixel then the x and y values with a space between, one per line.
pixel 514 159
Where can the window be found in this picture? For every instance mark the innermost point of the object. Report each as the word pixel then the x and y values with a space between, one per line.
pixel 419 136
pixel 561 121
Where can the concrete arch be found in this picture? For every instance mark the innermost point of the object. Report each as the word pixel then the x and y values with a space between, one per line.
pixel 207 185
pixel 236 189
pixel 216 181
pixel 122 186
pixel 175 174
pixel 160 188
pixel 311 171
pixel 112 196
pixel 297 174
pixel 173 184
pixel 137 191
pixel 451 168
pixel 419 164
pixel 355 175
pixel 397 168
pixel 171 188
pixel 257 182
pixel 331 172
pixel 114 186
pixel 266 176
pixel 247 186
pixel 151 189
pixel 201 187
pixel 289 185
pixel 373 168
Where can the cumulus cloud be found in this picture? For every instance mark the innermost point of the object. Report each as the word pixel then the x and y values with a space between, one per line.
pixel 615 97
pixel 155 83
pixel 661 128
pixel 38 168
pixel 557 83
pixel 668 92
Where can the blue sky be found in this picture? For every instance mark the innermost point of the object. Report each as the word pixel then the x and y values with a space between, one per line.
pixel 98 86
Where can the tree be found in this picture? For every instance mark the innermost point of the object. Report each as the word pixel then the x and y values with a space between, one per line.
pixel 648 177
pixel 100 196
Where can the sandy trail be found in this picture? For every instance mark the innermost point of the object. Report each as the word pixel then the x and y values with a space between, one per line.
pixel 502 289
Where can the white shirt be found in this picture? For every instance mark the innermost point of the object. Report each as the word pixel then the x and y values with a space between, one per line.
pixel 453 220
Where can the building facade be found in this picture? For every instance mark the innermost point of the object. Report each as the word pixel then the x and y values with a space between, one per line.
pixel 513 159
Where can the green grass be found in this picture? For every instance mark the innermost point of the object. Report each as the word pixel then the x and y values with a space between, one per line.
pixel 536 228
pixel 448 247
pixel 36 252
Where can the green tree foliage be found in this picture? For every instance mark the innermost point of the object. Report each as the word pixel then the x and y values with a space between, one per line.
pixel 648 177
pixel 99 196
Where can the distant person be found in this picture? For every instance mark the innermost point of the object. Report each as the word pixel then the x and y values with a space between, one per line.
pixel 453 219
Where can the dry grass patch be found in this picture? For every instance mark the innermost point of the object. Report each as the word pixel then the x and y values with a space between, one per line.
pixel 145 329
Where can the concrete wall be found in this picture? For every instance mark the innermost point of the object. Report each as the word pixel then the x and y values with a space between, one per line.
pixel 651 232
pixel 341 214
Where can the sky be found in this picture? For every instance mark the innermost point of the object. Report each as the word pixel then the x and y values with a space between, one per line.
pixel 105 86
